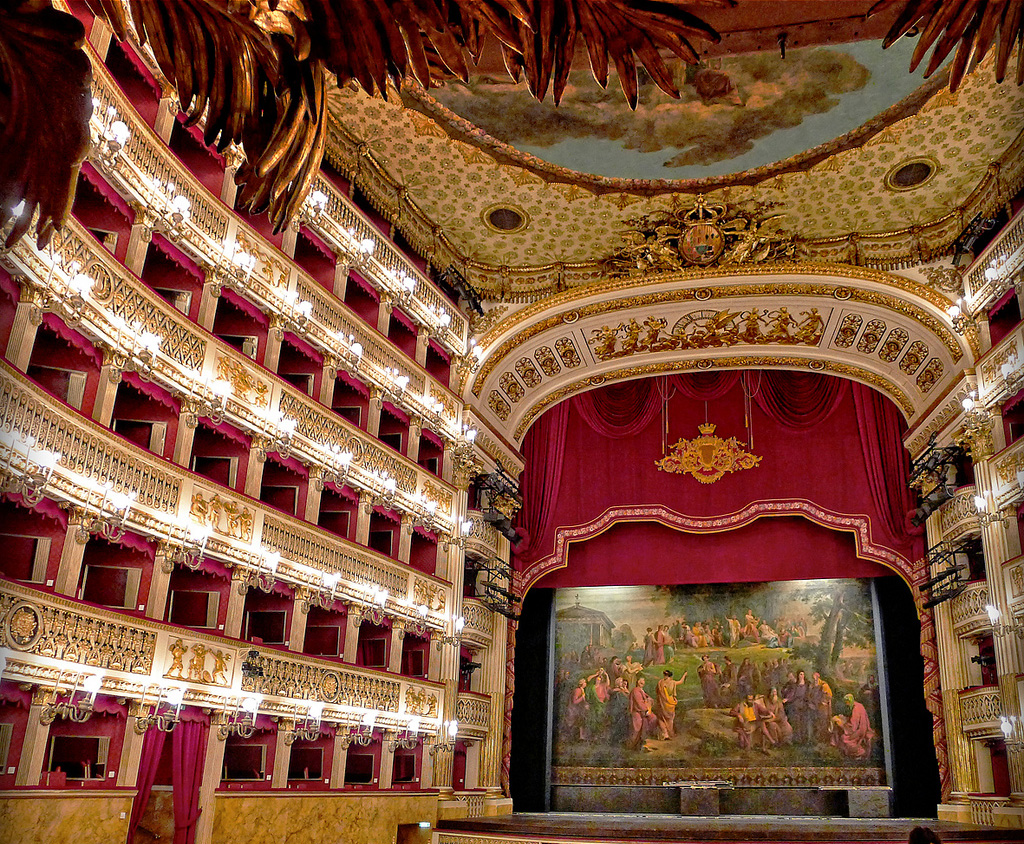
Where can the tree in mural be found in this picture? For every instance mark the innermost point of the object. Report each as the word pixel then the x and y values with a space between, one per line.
pixel 842 623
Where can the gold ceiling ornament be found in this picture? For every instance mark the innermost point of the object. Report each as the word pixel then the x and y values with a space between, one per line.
pixel 707 457
pixel 705 234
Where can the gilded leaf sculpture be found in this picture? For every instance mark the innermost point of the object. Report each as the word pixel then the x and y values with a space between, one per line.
pixel 45 103
pixel 970 26
pixel 707 457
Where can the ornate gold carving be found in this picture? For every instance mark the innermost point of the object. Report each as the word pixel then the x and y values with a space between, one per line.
pixel 23 627
pixel 707 457
pixel 247 389
pixel 237 521
pixel 893 345
pixel 914 357
pixel 930 375
pixel 546 359
pixel 704 329
pixel 513 389
pixel 420 702
pixel 567 352
pixel 429 595
pixel 196 670
pixel 871 337
pixel 946 279
pixel 528 372
pixel 497 404
pixel 440 496
pixel 700 236
pixel 847 331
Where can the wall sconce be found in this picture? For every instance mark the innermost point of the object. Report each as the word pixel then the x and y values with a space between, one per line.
pixel 132 348
pixel 112 135
pixel 263 576
pixel 187 551
pixel 455 637
pixel 396 383
pixel 55 705
pixel 363 734
pixel 360 249
pixel 351 354
pixel 294 315
pixel 242 720
pixel 985 517
pixel 994 271
pixel 164 721
pixel 409 740
pixel 64 297
pixel 962 321
pixel 1011 370
pixel 235 267
pixel 439 321
pixel 26 470
pixel 385 489
pixel 309 728
pixel 173 210
pixel 446 735
pixel 463 529
pixel 110 515
pixel 279 431
pixel 322 597
pixel 1013 731
pixel 314 206
pixel 405 286
pixel 211 400
pixel 338 462
pixel 1001 629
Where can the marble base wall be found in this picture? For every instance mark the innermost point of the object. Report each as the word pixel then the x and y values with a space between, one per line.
pixel 320 818
pixel 59 817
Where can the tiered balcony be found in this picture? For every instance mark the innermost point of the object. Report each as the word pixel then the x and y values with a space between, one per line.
pixel 968 610
pixel 479 619
pixel 1005 257
pixel 483 540
pixel 980 709
pixel 1009 474
pixel 473 712
pixel 959 515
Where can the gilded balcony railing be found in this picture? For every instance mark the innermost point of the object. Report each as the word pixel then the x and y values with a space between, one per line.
pixel 49 637
pixel 959 515
pixel 215 237
pixel 479 622
pixel 473 712
pixel 117 309
pixel 483 540
pixel 980 709
pixel 993 271
pixel 1008 478
pixel 167 497
pixel 968 610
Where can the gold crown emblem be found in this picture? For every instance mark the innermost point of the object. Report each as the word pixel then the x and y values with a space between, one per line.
pixel 707 429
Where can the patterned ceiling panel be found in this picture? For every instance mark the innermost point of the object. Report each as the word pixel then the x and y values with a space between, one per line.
pixel 443 189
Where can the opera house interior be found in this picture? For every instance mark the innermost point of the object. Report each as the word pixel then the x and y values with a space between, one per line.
pixel 471 421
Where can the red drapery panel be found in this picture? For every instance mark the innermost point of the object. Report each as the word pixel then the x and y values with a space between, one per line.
pixel 797 400
pixel 189 754
pixel 152 747
pixel 705 386
pixel 886 461
pixel 544 452
pixel 620 410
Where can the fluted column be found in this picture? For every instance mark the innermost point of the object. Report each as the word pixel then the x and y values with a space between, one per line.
pixel 397 639
pixel 69 570
pixel 339 758
pixel 353 621
pixel 33 749
pixel 131 747
pixel 373 412
pixel 493 682
pixel 282 754
pixel 236 606
pixel 22 340
pixel 160 581
pixel 106 390
pixel 387 760
pixel 314 493
pixel 405 538
pixel 363 512
pixel 212 765
pixel 384 309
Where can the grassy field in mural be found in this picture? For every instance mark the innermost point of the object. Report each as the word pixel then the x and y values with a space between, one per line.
pixel 777 675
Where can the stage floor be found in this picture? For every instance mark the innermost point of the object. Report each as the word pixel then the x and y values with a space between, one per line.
pixel 565 826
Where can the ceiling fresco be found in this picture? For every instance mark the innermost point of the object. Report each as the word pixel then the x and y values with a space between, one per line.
pixel 734 113
pixel 454 184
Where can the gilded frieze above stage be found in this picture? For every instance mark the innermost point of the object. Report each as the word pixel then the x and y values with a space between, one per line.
pixel 847 207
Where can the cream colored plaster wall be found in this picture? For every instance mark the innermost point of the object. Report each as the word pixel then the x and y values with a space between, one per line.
pixel 321 818
pixel 62 817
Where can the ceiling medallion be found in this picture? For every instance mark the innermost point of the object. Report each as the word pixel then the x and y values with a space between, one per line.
pixel 911 174
pixel 505 219
pixel 707 457
pixel 706 234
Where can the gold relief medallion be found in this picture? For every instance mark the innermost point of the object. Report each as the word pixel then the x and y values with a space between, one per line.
pixel 707 457
pixel 24 626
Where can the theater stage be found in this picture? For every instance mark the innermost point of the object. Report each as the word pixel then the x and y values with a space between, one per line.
pixel 556 826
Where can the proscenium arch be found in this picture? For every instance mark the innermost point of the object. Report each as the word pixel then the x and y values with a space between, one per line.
pixel 884 330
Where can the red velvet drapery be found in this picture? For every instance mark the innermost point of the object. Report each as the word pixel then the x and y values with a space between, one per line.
pixel 189 754
pixel 886 461
pixel 621 410
pixel 152 747
pixel 546 448
pixel 814 443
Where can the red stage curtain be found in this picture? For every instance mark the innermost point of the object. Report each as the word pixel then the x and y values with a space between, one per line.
pixel 544 451
pixel 152 747
pixel 797 400
pixel 886 460
pixel 705 386
pixel 189 754
pixel 620 410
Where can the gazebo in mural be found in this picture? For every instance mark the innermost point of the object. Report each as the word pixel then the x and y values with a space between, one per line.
pixel 579 626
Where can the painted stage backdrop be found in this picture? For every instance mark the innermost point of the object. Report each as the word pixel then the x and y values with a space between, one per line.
pixel 758 684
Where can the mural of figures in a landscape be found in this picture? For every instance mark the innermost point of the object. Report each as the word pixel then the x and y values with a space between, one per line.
pixel 707 677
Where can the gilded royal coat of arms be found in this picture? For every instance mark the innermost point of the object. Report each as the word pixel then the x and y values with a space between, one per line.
pixel 707 457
